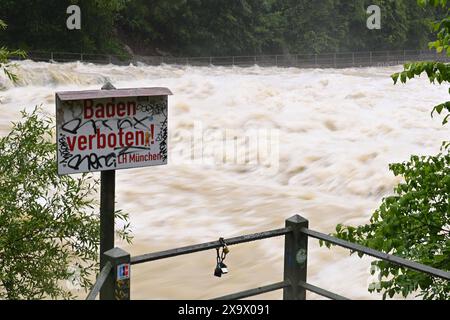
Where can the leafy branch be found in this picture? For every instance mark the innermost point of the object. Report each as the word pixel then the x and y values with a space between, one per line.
pixel 6 55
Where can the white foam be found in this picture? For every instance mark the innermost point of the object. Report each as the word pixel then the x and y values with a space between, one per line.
pixel 338 130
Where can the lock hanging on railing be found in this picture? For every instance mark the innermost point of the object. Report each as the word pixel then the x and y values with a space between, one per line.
pixel 221 268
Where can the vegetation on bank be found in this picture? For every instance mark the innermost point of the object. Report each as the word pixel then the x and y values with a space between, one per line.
pixel 49 233
pixel 49 225
pixel 215 27
pixel 414 223
pixel 5 54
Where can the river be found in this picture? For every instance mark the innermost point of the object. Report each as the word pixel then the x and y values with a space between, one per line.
pixel 328 136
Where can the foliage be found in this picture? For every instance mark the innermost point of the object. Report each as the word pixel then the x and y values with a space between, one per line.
pixel 436 71
pixel 216 27
pixel 41 25
pixel 5 55
pixel 49 230
pixel 414 223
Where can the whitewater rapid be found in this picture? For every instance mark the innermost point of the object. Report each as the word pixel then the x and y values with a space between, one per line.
pixel 334 132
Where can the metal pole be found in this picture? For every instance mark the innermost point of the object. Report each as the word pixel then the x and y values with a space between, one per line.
pixel 370 59
pixel 334 60
pixel 117 284
pixel 276 60
pixel 353 59
pixel 295 258
pixel 107 202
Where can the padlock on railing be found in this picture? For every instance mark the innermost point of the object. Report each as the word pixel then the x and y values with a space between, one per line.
pixel 221 268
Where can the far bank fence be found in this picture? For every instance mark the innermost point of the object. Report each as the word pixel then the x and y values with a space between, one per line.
pixel 323 60
pixel 294 284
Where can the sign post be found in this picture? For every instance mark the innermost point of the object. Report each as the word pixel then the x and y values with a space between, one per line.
pixel 107 209
pixel 107 130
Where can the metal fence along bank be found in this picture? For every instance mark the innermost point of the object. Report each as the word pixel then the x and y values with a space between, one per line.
pixel 114 278
pixel 323 60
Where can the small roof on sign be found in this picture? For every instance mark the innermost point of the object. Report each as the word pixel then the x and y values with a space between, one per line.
pixel 116 93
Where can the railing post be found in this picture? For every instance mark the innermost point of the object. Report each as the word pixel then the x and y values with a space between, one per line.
pixel 370 58
pixel 295 258
pixel 117 285
pixel 353 59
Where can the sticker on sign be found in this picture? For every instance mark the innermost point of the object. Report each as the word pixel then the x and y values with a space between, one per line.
pixel 101 130
pixel 123 271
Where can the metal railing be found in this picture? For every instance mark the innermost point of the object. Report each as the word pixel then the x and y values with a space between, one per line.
pixel 301 60
pixel 101 279
pixel 294 284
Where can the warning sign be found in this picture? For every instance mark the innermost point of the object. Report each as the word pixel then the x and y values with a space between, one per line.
pixel 111 129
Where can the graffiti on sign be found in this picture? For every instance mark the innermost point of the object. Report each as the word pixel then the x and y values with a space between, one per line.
pixel 103 132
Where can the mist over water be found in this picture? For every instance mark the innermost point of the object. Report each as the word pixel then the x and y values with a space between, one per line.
pixel 336 133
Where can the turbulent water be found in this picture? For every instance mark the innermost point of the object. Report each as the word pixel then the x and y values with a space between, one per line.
pixel 328 137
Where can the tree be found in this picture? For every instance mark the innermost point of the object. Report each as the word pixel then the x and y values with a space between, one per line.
pixel 43 27
pixel 49 229
pixel 414 223
pixel 5 55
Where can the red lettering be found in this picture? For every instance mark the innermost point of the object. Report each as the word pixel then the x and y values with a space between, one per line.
pixel 71 142
pixel 131 108
pixel 100 110
pixel 121 137
pixel 88 111
pixel 112 140
pixel 91 137
pixel 129 139
pixel 110 110
pixel 140 141
pixel 101 140
pixel 82 140
pixel 121 109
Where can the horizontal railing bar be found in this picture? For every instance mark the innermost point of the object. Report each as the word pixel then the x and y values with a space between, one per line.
pixel 100 281
pixel 255 292
pixel 378 254
pixel 321 292
pixel 208 245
